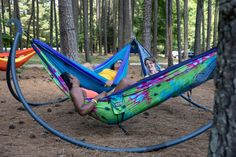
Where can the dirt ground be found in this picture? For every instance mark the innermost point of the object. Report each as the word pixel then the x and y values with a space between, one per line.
pixel 21 136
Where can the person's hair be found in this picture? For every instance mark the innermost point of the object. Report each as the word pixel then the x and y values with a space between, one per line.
pixel 113 65
pixel 65 76
pixel 150 59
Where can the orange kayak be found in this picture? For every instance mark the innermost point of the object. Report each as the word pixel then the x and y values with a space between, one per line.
pixel 22 56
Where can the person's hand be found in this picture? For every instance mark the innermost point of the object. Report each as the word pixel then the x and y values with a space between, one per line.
pixel 109 83
pixel 101 95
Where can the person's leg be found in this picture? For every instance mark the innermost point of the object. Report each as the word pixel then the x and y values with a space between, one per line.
pixel 125 82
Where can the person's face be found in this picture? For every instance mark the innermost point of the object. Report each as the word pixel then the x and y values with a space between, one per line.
pixel 117 64
pixel 150 65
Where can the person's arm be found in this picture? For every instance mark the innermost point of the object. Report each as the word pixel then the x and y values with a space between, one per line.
pixel 78 101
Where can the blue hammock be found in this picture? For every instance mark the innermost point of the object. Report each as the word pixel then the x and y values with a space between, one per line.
pixel 56 63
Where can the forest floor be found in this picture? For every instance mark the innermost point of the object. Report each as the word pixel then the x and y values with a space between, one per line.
pixel 21 136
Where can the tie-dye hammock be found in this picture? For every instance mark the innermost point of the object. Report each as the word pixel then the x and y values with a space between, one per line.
pixel 139 97
pixel 155 89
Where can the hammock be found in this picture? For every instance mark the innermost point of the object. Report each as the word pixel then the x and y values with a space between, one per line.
pixel 22 56
pixel 155 89
pixel 55 63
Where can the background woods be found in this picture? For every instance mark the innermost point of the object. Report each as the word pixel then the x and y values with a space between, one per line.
pixel 104 26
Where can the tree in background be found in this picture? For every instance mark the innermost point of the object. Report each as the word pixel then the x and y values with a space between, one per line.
pixel 155 26
pixel 197 41
pixel 1 43
pixel 115 4
pixel 185 29
pixel 215 24
pixel 169 32
pixel 127 25
pixel 67 30
pixel 223 134
pixel 147 24
pixel 179 30
pixel 120 25
pixel 86 37
pixel 16 14
pixel 208 42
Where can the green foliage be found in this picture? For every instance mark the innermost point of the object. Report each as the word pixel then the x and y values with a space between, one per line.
pixel 25 7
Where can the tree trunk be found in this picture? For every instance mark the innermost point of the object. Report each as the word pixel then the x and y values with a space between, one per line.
pixel 167 30
pixel 91 28
pixel 30 21
pixel 147 24
pixel 120 25
pixel 75 5
pixel 2 27
pixel 127 23
pixel 114 25
pixel 223 135
pixel 170 57
pixel 67 30
pixel 9 13
pixel 203 47
pixel 155 26
pixel 98 26
pixel 197 42
pixel 56 28
pixel 185 29
pixel 104 11
pixel 37 19
pixel 215 24
pixel 209 25
pixel 51 22
pixel 179 30
pixel 16 14
pixel 1 43
pixel 86 38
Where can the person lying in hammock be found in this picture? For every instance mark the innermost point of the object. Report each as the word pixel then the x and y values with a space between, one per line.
pixel 109 74
pixel 78 94
pixel 150 64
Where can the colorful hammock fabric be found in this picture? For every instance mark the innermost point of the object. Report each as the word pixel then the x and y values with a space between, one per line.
pixel 22 56
pixel 155 89
pixel 55 63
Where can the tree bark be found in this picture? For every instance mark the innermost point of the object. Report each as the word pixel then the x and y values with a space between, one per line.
pixel 203 46
pixel 16 14
pixel 2 27
pixel 155 26
pixel 208 42
pixel 104 8
pixel 127 23
pixel 30 20
pixel 120 25
pixel 170 39
pixel 67 30
pixel 223 135
pixel 215 23
pixel 179 30
pixel 147 24
pixel 114 25
pixel 56 27
pixel 185 29
pixel 1 43
pixel 197 42
pixel 86 38
pixel 51 22
pixel 91 28
pixel 37 19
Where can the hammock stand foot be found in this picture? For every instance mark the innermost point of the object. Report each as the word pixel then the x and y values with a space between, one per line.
pixel 123 129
